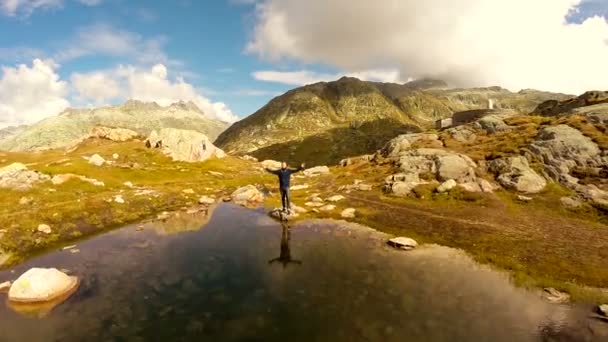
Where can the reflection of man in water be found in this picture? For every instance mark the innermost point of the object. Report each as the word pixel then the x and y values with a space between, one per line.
pixel 285 256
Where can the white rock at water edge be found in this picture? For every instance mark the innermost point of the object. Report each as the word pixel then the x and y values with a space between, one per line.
pixel 41 285
pixel 44 228
pixel 4 287
pixel 603 309
pixel 403 243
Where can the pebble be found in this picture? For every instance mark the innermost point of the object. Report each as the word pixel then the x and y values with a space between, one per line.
pixel 44 228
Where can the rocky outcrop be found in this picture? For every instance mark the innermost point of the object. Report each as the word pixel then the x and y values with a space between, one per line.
pixel 62 178
pixel 404 143
pixel 42 285
pixel 515 173
pixel 114 134
pixel 555 107
pixel 184 145
pixel 247 196
pixel 562 148
pixel 17 176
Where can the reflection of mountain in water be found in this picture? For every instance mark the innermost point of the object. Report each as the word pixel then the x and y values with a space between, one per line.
pixel 181 222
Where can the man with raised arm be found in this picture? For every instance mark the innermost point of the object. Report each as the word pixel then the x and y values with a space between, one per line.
pixel 284 174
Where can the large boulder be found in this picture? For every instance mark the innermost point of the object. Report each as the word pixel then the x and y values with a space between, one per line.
pixel 516 173
pixel 247 195
pixel 454 166
pixel 492 124
pixel 271 164
pixel 184 145
pixel 562 148
pixel 17 176
pixel 315 171
pixel 41 285
pixel 114 134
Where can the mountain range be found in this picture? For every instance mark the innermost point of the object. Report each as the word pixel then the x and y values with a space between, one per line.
pixel 74 124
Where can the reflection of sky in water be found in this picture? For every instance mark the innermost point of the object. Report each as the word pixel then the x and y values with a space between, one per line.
pixel 217 283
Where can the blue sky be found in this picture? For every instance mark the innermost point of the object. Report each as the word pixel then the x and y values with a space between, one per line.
pixel 230 56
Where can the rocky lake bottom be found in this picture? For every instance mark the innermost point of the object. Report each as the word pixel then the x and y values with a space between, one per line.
pixel 241 276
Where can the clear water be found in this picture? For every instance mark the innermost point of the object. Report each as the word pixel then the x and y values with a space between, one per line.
pixel 242 277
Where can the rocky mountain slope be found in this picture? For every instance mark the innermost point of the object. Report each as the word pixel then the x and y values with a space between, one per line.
pixel 329 120
pixel 74 124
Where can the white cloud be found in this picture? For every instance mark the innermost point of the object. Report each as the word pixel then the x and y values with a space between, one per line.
pixel 103 39
pixel 27 7
pixel 303 77
pixel 29 94
pixel 516 43
pixel 129 82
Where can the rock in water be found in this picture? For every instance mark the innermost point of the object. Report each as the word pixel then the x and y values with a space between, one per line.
pixel 348 213
pixel 403 243
pixel 281 215
pixel 4 287
pixel 247 195
pixel 185 145
pixel 96 160
pixel 41 285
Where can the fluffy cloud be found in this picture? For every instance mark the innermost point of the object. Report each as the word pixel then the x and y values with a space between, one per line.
pixel 303 77
pixel 103 39
pixel 27 7
pixel 128 82
pixel 516 43
pixel 31 93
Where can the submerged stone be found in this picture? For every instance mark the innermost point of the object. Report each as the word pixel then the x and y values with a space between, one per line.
pixel 41 285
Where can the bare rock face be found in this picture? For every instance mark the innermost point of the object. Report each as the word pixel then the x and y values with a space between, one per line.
pixel 554 107
pixel 515 173
pixel 184 145
pixel 17 176
pixel 41 285
pixel 562 148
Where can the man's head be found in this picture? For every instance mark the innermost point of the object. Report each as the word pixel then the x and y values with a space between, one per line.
pixel 283 165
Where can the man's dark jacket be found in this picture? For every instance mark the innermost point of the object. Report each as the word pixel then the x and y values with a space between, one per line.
pixel 285 176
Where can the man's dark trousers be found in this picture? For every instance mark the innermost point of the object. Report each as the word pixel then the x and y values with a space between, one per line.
pixel 285 200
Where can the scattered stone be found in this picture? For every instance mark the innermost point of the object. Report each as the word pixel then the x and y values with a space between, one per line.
pixel 470 187
pixel 348 213
pixel 206 200
pixel 250 158
pixel 298 210
pixel 62 178
pixel 4 287
pixel 215 173
pixel 163 216
pixel 486 186
pixel 96 160
pixel 554 296
pixel 315 171
pixel 128 184
pixel 188 191
pixel 570 202
pixel 44 228
pixel 74 251
pixel 247 195
pixel 524 198
pixel 403 243
pixel 335 198
pixel 315 210
pixel 42 285
pixel 115 156
pixel 328 207
pixel 299 187
pixel 446 186
pixel 360 159
pixel 314 204
pixel 68 247
pixel 119 199
pixel 316 199
pixel 25 200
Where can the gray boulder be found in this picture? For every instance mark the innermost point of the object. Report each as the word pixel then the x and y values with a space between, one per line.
pixel 404 142
pixel 185 145
pixel 492 124
pixel 16 176
pixel 462 134
pixel 247 195
pixel 515 173
pixel 41 285
pixel 454 166
pixel 315 171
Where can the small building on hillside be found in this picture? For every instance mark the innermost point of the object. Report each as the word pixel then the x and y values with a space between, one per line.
pixel 465 117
